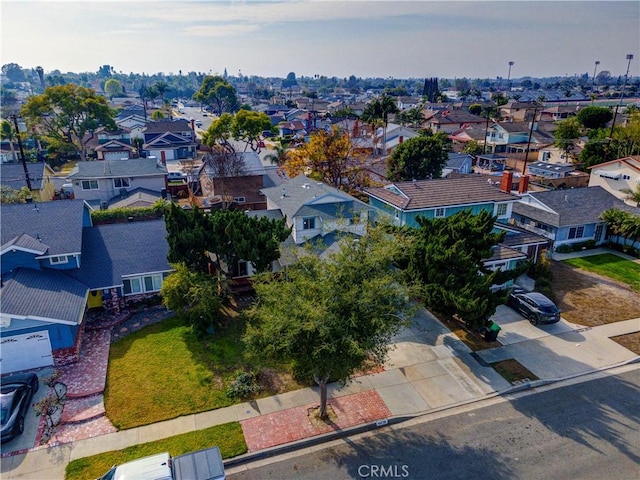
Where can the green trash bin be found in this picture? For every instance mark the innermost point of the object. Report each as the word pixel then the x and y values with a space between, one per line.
pixel 491 332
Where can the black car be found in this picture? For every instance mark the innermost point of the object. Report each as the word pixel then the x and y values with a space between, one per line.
pixel 16 393
pixel 534 306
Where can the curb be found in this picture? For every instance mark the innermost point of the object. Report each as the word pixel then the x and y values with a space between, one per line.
pixel 327 437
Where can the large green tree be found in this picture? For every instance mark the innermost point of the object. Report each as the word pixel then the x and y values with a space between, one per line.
pixel 419 158
pixel 594 116
pixel 67 116
pixel 223 238
pixel 622 224
pixel 196 297
pixel 247 126
pixel 446 259
pixel 331 333
pixel 113 88
pixel 566 134
pixel 376 114
pixel 217 93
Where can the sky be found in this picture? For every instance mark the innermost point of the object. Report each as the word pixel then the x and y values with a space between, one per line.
pixel 399 39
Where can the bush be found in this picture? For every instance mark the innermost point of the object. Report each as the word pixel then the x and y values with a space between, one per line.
pixel 564 248
pixel 586 245
pixel 541 273
pixel 243 385
pixel 154 211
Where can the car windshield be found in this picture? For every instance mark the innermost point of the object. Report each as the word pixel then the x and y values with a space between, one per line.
pixel 5 407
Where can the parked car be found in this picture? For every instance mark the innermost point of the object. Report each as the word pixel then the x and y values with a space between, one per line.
pixel 534 306
pixel 16 393
pixel 175 176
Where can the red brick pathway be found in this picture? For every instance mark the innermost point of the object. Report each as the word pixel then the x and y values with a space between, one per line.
pixel 290 425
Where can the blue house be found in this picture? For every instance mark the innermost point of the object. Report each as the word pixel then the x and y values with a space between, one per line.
pixel 403 202
pixel 568 216
pixel 55 265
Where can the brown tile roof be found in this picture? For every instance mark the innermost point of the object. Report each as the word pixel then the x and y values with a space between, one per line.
pixel 470 189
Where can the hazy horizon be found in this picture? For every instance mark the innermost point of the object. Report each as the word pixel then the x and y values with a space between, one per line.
pixel 414 39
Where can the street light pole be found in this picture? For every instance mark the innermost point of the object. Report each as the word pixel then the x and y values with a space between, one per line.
pixel 24 161
pixel 593 80
pixel 624 84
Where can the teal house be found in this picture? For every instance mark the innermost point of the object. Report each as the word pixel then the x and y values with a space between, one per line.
pixel 403 202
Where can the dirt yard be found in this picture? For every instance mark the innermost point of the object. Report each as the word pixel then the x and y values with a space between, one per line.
pixel 589 299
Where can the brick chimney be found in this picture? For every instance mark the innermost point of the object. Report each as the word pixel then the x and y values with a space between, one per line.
pixel 507 182
pixel 400 139
pixel 523 186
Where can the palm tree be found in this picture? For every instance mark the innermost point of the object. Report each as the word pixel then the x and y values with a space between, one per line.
pixel 279 156
pixel 376 114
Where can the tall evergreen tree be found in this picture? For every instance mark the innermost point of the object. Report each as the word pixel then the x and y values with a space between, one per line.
pixel 446 259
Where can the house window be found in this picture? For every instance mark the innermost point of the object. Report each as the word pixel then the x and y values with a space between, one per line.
pixel 501 209
pixel 239 199
pixel 308 223
pixel 131 286
pixel 576 232
pixel 598 235
pixel 59 260
pixel 152 283
pixel 90 185
pixel 144 284
pixel 439 212
pixel 121 183
pixel 243 268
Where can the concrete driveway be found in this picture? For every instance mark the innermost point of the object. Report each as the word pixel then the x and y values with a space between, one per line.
pixel 31 421
pixel 516 329
pixel 553 351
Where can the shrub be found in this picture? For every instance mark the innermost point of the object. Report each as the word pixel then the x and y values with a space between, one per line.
pixel 243 385
pixel 564 248
pixel 541 273
pixel 154 211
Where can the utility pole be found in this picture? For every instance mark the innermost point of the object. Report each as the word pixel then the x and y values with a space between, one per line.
pixel 593 80
pixel 624 85
pixel 526 155
pixel 24 160
pixel 509 77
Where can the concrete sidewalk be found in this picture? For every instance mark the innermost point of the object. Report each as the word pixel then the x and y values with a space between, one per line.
pixel 429 369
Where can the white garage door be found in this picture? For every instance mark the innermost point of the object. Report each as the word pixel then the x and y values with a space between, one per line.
pixel 115 155
pixel 24 352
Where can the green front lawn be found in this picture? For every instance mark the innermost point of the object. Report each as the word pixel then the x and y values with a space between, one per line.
pixel 610 265
pixel 165 370
pixel 228 437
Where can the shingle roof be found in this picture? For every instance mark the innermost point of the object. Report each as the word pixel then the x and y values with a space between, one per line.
pixel 112 251
pixel 576 206
pixel 56 224
pixel 502 252
pixel 12 175
pixel 301 193
pixel 136 167
pixel 422 194
pixel 48 294
pixel 161 126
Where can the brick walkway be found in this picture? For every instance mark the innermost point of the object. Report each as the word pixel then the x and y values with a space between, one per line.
pixel 293 424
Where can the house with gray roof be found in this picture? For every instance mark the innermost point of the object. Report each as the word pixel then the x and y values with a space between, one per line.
pixel 56 264
pixel 169 140
pixel 100 183
pixel 315 209
pixel 568 216
pixel 40 175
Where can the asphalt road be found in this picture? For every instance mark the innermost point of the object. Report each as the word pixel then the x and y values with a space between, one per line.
pixel 589 430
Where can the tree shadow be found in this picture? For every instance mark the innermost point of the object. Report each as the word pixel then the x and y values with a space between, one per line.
pixel 415 454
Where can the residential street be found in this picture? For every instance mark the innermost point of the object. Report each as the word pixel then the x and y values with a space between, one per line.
pixel 583 431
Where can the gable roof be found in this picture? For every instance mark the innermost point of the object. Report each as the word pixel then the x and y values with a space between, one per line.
pixel 120 249
pixel 576 206
pixel 442 192
pixel 162 126
pixel 46 294
pixel 169 139
pixel 303 196
pixel 632 162
pixel 135 167
pixel 12 174
pixel 56 225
